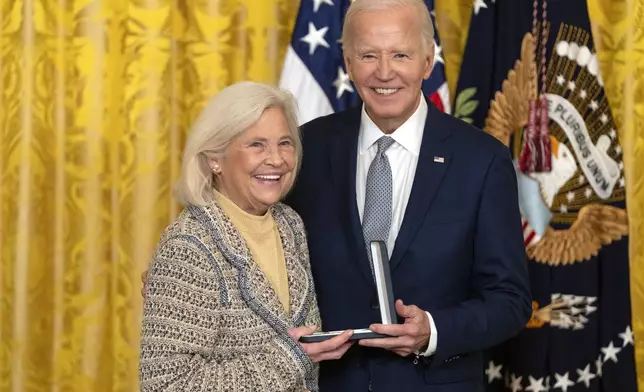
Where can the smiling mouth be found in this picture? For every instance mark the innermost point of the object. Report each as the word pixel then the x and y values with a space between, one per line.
pixel 268 177
pixel 385 91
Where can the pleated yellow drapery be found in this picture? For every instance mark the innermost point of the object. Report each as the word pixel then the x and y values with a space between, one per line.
pixel 95 100
pixel 618 31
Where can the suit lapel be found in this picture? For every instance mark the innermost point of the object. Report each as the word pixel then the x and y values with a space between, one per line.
pixel 344 158
pixel 433 161
pixel 300 283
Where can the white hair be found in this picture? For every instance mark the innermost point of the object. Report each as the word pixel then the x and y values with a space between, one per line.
pixel 228 114
pixel 359 6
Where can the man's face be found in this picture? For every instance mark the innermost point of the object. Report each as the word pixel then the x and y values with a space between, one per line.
pixel 387 63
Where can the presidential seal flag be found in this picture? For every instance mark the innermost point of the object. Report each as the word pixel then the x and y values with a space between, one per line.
pixel 314 69
pixel 545 100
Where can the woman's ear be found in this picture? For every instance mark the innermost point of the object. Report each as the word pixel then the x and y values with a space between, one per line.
pixel 214 165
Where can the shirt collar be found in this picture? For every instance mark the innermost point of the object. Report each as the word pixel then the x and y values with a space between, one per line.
pixel 409 135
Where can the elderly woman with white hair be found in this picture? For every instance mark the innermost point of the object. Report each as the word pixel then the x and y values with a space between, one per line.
pixel 229 291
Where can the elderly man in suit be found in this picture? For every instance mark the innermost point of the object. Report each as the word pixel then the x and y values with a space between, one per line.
pixel 440 193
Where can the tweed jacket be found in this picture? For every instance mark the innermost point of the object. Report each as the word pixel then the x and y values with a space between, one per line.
pixel 211 319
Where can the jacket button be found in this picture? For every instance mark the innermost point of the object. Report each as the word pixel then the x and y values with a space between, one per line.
pixel 375 306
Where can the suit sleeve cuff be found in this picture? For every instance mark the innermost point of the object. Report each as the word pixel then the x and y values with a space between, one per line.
pixel 433 337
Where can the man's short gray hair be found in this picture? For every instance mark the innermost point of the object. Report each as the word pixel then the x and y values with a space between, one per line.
pixel 228 114
pixel 358 6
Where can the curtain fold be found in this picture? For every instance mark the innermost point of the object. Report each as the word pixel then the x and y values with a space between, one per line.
pixel 618 30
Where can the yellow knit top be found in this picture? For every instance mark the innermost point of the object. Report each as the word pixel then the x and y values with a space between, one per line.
pixel 263 240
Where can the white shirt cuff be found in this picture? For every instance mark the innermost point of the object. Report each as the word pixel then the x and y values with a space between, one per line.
pixel 433 337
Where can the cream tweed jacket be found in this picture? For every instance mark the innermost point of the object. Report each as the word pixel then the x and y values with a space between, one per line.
pixel 211 319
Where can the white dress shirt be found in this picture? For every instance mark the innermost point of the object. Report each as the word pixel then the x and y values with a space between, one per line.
pixel 403 158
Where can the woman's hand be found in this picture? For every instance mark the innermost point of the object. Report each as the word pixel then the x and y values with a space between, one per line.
pixel 333 348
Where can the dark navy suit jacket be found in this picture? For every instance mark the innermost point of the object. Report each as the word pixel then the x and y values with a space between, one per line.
pixel 459 254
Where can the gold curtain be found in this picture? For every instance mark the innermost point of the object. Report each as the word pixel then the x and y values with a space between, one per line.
pixel 95 100
pixel 618 31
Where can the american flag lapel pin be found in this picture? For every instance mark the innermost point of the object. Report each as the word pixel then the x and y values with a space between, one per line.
pixel 439 159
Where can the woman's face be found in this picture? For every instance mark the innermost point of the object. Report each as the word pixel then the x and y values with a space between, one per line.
pixel 258 164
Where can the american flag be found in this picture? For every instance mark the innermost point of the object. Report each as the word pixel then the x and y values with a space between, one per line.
pixel 314 70
pixel 581 335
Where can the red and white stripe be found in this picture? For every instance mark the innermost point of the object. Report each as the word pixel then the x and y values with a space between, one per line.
pixel 530 236
pixel 296 77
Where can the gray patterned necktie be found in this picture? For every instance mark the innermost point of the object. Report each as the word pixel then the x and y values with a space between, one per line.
pixel 376 219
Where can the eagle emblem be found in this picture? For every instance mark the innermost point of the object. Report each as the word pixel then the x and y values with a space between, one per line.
pixel 568 212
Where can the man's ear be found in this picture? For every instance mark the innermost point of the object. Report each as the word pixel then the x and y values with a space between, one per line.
pixel 347 66
pixel 429 62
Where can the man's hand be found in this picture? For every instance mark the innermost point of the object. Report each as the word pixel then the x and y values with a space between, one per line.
pixel 406 338
pixel 333 348
pixel 144 280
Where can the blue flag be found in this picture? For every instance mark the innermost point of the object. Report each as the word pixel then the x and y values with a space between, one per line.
pixel 314 68
pixel 572 200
